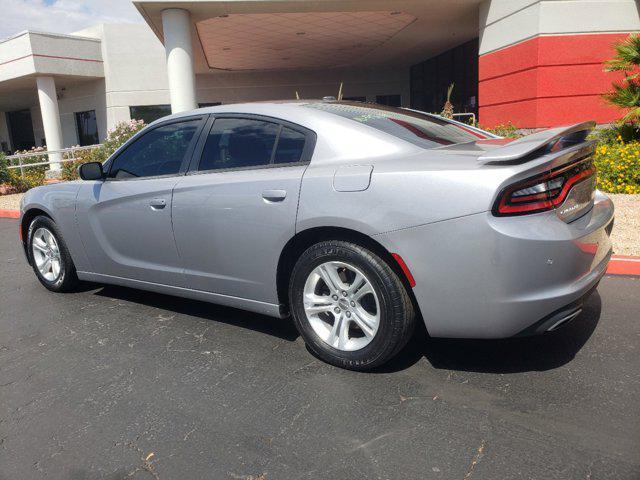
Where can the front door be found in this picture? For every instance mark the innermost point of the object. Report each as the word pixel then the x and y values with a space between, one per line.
pixel 21 130
pixel 125 221
pixel 233 214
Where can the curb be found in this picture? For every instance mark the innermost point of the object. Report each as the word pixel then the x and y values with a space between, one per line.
pixel 619 264
pixel 9 213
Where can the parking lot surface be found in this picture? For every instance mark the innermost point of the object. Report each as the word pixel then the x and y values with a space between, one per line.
pixel 115 383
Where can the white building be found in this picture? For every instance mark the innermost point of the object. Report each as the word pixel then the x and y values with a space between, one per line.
pixel 533 62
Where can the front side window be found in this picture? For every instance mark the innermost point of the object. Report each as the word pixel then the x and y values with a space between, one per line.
pixel 242 142
pixel 158 152
pixel 420 129
pixel 87 128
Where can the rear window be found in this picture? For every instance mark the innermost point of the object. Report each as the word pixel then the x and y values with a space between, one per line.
pixel 423 130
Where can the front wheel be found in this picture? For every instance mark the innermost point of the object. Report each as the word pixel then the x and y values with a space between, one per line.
pixel 351 308
pixel 50 257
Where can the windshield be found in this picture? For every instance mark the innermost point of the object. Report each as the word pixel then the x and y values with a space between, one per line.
pixel 423 130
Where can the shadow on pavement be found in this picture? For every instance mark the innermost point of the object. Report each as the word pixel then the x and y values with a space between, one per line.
pixel 539 353
pixel 512 355
pixel 284 329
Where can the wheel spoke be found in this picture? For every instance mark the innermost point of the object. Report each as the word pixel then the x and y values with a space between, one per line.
pixel 39 245
pixel 329 274
pixel 364 290
pixel 358 282
pixel 343 334
pixel 333 338
pixel 366 322
pixel 315 304
pixel 46 266
pixel 55 267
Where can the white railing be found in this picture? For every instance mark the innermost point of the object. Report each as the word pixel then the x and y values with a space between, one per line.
pixel 52 157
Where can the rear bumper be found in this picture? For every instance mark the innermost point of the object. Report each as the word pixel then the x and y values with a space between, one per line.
pixel 482 276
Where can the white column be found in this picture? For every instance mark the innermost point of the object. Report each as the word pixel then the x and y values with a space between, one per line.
pixel 176 24
pixel 50 116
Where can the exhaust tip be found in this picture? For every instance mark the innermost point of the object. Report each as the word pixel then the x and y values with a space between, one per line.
pixel 564 320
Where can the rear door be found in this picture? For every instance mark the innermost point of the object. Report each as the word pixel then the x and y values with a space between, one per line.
pixel 236 209
pixel 125 220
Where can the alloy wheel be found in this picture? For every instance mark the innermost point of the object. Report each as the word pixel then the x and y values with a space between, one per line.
pixel 46 254
pixel 341 305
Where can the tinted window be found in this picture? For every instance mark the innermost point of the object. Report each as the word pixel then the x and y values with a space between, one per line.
pixel 290 146
pixel 418 128
pixel 158 152
pixel 238 143
pixel 87 128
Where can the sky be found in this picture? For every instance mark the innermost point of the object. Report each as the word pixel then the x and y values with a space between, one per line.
pixel 62 16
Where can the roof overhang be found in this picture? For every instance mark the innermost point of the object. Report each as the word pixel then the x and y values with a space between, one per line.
pixel 28 55
pixel 243 35
pixel 36 53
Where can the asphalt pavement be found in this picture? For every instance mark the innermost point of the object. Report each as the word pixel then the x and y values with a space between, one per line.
pixel 114 383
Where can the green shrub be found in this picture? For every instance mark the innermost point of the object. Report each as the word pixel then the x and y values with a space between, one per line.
pixel 618 166
pixel 507 130
pixel 32 176
pixel 4 173
pixel 618 132
pixel 69 170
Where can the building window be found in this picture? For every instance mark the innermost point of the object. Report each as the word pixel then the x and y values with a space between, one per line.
pixel 209 104
pixel 87 128
pixel 149 113
pixel 355 99
pixel 389 100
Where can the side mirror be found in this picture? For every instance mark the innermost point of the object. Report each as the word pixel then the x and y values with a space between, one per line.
pixel 91 171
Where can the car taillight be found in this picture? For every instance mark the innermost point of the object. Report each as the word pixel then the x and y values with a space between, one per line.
pixel 543 192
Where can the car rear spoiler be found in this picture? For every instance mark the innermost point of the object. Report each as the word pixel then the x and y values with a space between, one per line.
pixel 537 144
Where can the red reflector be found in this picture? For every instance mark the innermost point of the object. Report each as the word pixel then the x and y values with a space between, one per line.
pixel 405 269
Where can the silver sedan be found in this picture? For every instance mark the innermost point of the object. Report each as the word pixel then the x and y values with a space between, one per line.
pixel 357 220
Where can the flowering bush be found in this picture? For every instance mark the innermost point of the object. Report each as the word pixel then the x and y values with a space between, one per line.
pixel 69 170
pixel 4 173
pixel 31 177
pixel 618 167
pixel 506 130
pixel 122 132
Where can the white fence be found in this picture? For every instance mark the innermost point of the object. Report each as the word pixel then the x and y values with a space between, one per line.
pixel 50 157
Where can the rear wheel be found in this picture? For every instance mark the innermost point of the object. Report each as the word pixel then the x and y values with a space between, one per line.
pixel 50 257
pixel 350 307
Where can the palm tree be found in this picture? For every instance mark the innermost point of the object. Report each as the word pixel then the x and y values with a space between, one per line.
pixel 626 94
pixel 447 110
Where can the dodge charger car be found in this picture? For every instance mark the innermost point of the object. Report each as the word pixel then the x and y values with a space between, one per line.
pixel 357 220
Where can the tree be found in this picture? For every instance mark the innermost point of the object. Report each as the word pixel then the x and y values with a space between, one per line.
pixel 626 94
pixel 447 110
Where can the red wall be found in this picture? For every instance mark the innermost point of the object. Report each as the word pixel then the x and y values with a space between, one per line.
pixel 548 81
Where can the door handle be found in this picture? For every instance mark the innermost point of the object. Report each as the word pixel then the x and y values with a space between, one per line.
pixel 274 195
pixel 158 203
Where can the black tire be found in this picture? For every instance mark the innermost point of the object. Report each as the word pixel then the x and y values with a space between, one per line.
pixel 67 280
pixel 397 317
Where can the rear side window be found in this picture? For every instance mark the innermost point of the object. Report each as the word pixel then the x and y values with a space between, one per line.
pixel 423 130
pixel 158 152
pixel 235 143
pixel 290 146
